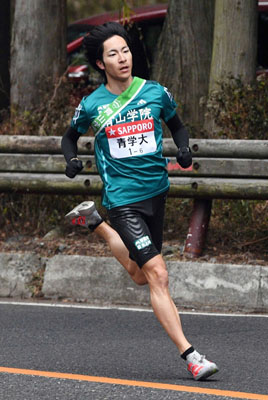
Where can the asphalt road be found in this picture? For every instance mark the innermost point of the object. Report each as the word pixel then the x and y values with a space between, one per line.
pixel 79 347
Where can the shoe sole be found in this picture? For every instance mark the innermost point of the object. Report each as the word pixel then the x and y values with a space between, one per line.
pixel 206 375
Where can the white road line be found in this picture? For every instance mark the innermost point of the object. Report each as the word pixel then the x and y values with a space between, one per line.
pixel 120 308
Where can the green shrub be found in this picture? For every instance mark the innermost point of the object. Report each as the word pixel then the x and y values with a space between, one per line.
pixel 239 110
pixel 53 117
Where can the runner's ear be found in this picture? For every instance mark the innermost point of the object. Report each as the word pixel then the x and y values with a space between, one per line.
pixel 100 64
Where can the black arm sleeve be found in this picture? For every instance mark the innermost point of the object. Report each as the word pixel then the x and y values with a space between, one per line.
pixel 69 143
pixel 178 132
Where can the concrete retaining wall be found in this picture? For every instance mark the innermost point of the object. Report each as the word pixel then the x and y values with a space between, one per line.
pixel 16 274
pixel 102 280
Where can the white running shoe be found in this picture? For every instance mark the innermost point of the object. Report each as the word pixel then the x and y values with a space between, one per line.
pixel 85 214
pixel 199 367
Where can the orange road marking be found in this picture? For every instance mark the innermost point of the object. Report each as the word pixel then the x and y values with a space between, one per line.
pixel 125 382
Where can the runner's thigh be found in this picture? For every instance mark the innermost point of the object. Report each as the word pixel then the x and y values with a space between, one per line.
pixel 135 233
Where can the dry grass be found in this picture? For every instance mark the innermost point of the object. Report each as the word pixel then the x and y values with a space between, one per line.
pixel 237 233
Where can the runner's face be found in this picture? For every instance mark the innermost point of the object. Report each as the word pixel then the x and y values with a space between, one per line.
pixel 117 59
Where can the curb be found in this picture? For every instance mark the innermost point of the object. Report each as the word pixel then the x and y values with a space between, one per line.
pixel 102 280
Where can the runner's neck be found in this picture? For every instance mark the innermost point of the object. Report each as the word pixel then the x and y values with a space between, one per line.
pixel 118 87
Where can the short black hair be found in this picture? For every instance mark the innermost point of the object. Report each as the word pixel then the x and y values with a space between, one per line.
pixel 93 42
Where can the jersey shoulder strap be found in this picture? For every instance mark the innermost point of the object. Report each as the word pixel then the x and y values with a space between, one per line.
pixel 118 104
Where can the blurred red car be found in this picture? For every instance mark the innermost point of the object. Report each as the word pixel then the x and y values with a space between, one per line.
pixel 144 26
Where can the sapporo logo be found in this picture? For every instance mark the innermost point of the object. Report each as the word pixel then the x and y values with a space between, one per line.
pixel 143 242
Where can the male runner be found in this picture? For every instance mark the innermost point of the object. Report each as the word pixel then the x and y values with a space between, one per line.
pixel 125 113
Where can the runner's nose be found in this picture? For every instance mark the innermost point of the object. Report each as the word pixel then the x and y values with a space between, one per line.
pixel 122 57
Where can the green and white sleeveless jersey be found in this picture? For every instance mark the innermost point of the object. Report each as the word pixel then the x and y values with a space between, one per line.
pixel 128 149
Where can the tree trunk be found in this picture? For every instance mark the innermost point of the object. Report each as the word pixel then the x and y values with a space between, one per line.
pixel 38 50
pixel 183 58
pixel 5 53
pixel 234 50
pixel 235 41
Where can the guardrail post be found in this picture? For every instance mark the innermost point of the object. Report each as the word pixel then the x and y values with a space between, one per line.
pixel 198 228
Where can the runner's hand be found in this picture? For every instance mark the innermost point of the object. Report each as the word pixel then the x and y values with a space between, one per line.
pixel 184 157
pixel 73 167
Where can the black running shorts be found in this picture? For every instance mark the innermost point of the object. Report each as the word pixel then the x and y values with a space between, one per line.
pixel 140 226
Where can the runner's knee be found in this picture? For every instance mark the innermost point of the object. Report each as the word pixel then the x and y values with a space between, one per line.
pixel 157 275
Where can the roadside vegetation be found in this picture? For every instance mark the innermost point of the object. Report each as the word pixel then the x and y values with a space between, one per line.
pixel 240 111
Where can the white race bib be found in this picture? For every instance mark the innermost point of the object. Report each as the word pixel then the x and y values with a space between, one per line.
pixel 131 139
